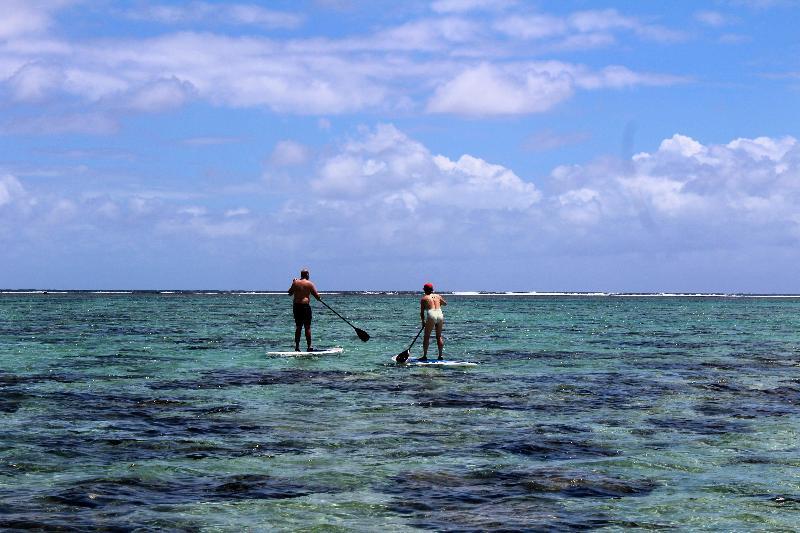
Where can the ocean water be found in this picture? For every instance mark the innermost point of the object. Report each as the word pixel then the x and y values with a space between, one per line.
pixel 163 411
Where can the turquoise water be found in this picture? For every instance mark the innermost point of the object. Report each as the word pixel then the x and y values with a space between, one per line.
pixel 163 412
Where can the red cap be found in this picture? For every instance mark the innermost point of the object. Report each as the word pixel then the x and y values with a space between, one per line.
pixel 428 286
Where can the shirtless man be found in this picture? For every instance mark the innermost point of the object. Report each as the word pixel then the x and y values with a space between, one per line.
pixel 430 312
pixel 301 290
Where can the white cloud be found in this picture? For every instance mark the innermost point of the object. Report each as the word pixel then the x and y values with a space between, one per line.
pixel 434 60
pixel 385 169
pixel 193 211
pixel 192 12
pixel 206 227
pixel 617 77
pixel 611 19
pixel 764 4
pixel 488 90
pixel 600 20
pixel 532 27
pixel 383 190
pixel 529 87
pixel 691 194
pixel 462 6
pixel 583 29
pixel 585 41
pixel 386 190
pixel 475 184
pixel 238 212
pixel 10 190
pixel 161 95
pixel 383 196
pixel 764 147
pixel 25 17
pixel 712 18
pixel 289 153
pixel 33 82
pixel 436 34
pixel 682 145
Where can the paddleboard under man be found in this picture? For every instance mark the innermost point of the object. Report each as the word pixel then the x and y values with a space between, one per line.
pixel 301 291
pixel 430 312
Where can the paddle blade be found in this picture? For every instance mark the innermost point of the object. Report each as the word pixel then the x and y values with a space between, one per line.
pixel 363 335
pixel 403 356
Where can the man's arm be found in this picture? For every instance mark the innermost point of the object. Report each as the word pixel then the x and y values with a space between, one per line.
pixel 422 310
pixel 314 292
pixel 442 300
pixel 292 288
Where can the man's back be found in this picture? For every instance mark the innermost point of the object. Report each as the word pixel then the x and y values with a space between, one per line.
pixel 302 290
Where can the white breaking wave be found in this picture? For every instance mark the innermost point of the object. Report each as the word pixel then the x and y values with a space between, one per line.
pixel 112 292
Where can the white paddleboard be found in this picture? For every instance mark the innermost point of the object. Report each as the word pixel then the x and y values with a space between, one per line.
pixel 434 362
pixel 322 351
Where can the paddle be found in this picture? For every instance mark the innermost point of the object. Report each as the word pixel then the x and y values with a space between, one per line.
pixel 403 356
pixel 363 335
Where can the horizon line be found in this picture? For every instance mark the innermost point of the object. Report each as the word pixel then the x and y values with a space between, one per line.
pixel 406 291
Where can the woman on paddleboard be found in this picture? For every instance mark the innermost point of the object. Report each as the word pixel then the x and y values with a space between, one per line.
pixel 430 312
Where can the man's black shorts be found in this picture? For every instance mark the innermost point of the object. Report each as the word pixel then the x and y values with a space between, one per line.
pixel 302 314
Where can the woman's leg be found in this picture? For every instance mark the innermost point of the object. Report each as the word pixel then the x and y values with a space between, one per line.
pixel 440 338
pixel 426 340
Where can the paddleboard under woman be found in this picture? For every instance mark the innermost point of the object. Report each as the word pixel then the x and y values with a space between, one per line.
pixel 430 312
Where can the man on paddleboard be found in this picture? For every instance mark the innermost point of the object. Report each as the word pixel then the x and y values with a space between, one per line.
pixel 430 312
pixel 301 290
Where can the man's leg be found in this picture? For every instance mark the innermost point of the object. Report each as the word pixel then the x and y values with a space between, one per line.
pixel 297 328
pixel 308 336
pixel 440 339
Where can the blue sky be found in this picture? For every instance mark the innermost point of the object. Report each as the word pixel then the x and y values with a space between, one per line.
pixel 481 145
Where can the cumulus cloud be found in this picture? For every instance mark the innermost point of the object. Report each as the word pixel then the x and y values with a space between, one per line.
pixel 390 190
pixel 382 195
pixel 488 90
pixel 387 190
pixel 688 194
pixel 384 189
